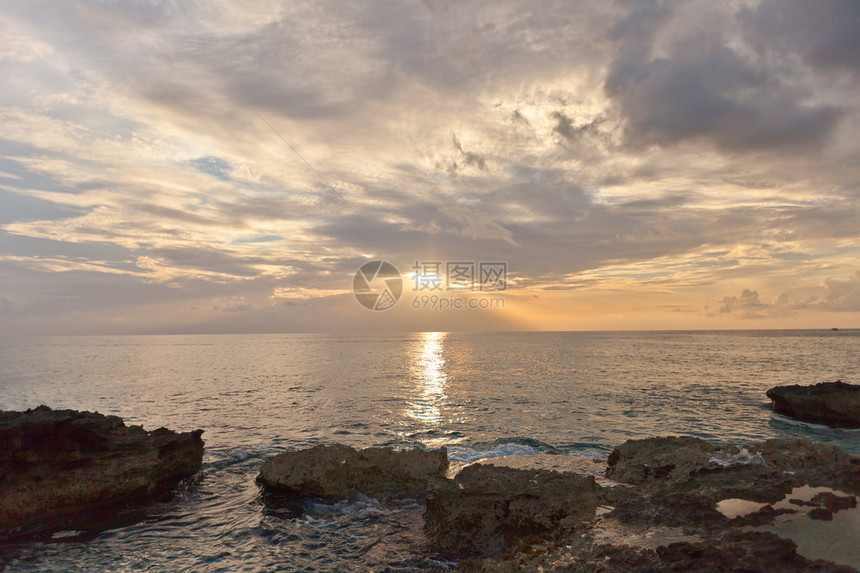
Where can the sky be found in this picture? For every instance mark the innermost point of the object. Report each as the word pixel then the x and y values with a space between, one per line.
pixel 228 166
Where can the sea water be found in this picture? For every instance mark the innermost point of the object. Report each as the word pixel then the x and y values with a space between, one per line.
pixel 480 395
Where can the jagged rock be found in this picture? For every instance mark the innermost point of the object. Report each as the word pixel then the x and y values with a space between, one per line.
pixel 809 463
pixel 834 502
pixel 759 472
pixel 666 459
pixel 831 403
pixel 663 517
pixel 60 462
pixel 486 509
pixel 801 454
pixel 820 513
pixel 730 551
pixel 741 551
pixel 336 470
pixel 763 516
pixel 574 553
pixel 829 501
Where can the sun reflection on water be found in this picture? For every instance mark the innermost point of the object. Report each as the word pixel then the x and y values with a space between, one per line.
pixel 431 379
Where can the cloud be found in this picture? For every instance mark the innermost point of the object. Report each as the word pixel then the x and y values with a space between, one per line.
pixel 476 225
pixel 701 88
pixel 822 33
pixel 237 304
pixel 469 157
pixel 747 305
pixel 842 295
pixel 831 295
pixel 166 156
pixel 6 307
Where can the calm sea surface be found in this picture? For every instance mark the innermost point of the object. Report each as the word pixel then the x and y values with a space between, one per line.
pixel 478 394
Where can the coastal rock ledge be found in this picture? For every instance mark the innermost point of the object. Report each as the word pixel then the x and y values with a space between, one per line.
pixel 830 403
pixel 60 463
pixel 672 503
pixel 337 470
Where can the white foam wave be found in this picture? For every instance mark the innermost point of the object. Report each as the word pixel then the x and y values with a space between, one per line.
pixel 362 507
pixel 812 426
pixel 742 457
pixel 466 455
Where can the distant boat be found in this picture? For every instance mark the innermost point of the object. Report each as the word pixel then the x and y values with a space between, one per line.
pixel 834 328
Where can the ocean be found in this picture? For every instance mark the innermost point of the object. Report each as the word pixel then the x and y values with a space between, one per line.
pixel 480 395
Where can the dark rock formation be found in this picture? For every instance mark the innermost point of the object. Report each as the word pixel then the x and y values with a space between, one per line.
pixel 337 470
pixel 667 459
pixel 763 516
pixel 55 463
pixel 726 551
pixel 659 512
pixel 663 516
pixel 834 502
pixel 741 551
pixel 831 403
pixel 825 504
pixel 820 513
pixel 486 509
pixel 759 472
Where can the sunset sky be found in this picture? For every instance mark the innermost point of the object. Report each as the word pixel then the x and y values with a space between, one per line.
pixel 227 166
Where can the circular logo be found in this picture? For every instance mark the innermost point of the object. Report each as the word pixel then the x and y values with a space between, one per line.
pixel 377 285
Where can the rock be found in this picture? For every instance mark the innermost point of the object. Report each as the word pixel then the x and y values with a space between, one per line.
pixel 829 501
pixel 337 470
pixel 665 459
pixel 56 463
pixel 759 472
pixel 809 463
pixel 831 403
pixel 834 502
pixel 763 516
pixel 799 454
pixel 486 509
pixel 663 518
pixel 820 513
pixel 741 551
pixel 730 551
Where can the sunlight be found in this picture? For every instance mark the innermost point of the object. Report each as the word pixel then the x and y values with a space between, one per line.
pixel 431 377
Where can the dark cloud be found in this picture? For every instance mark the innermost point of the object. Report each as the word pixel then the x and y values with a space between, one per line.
pixel 704 89
pixel 576 133
pixel 824 33
pixel 469 157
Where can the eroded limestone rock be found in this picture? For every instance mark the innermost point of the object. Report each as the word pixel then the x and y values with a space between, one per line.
pixel 486 509
pixel 335 470
pixel 831 403
pixel 58 462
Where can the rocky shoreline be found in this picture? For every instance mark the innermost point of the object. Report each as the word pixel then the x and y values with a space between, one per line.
pixel 60 465
pixel 679 495
pixel 657 504
pixel 832 403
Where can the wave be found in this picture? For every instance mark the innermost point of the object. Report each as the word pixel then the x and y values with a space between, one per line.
pixel 820 428
pixel 466 454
